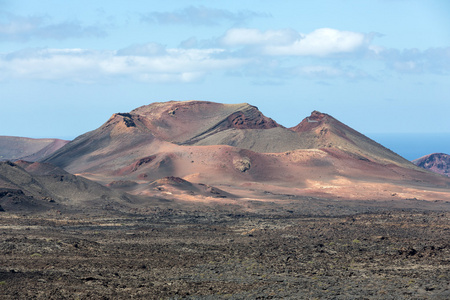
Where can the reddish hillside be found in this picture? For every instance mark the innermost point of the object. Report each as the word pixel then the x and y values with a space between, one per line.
pixel 190 121
pixel 239 150
pixel 436 162
pixel 323 131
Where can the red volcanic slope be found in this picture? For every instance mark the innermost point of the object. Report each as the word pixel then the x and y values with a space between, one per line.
pixel 324 131
pixel 128 137
pixel 436 162
pixel 188 122
pixel 236 146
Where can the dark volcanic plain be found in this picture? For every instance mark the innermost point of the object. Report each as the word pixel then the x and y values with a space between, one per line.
pixel 201 200
pixel 335 251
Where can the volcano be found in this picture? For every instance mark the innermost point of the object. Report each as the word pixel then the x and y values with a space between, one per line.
pixel 235 149
pixel 435 162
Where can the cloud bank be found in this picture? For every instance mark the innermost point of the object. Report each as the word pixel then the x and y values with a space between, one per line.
pixel 267 55
pixel 140 62
pixel 320 42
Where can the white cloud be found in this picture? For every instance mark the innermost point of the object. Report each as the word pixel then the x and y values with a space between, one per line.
pixel 249 36
pixel 185 65
pixel 321 42
pixel 287 42
pixel 267 55
pixel 150 49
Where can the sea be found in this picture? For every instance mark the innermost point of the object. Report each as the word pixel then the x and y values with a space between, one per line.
pixel 413 145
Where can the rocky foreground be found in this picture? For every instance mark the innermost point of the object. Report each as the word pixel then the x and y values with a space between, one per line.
pixel 174 254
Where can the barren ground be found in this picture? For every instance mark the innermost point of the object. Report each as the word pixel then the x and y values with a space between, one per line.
pixel 333 251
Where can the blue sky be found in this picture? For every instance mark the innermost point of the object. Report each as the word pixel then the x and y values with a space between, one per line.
pixel 380 66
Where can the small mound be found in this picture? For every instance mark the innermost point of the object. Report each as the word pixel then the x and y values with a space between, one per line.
pixel 176 185
pixel 15 200
pixel 37 168
pixel 136 165
pixel 173 181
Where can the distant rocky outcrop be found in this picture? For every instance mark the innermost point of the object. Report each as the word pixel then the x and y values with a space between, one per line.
pixel 435 162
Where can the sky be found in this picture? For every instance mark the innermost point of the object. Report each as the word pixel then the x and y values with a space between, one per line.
pixel 379 66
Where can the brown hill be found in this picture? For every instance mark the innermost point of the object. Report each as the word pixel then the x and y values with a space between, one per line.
pixel 37 168
pixel 191 121
pixel 181 187
pixel 239 150
pixel 13 148
pixel 436 162
pixel 323 131
pixel 23 190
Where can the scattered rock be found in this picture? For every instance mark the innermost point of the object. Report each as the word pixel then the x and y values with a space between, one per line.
pixel 178 254
pixel 242 164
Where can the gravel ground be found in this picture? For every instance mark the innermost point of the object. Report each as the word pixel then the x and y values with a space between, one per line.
pixel 174 254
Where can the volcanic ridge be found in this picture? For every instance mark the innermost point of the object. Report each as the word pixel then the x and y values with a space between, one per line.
pixel 236 150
